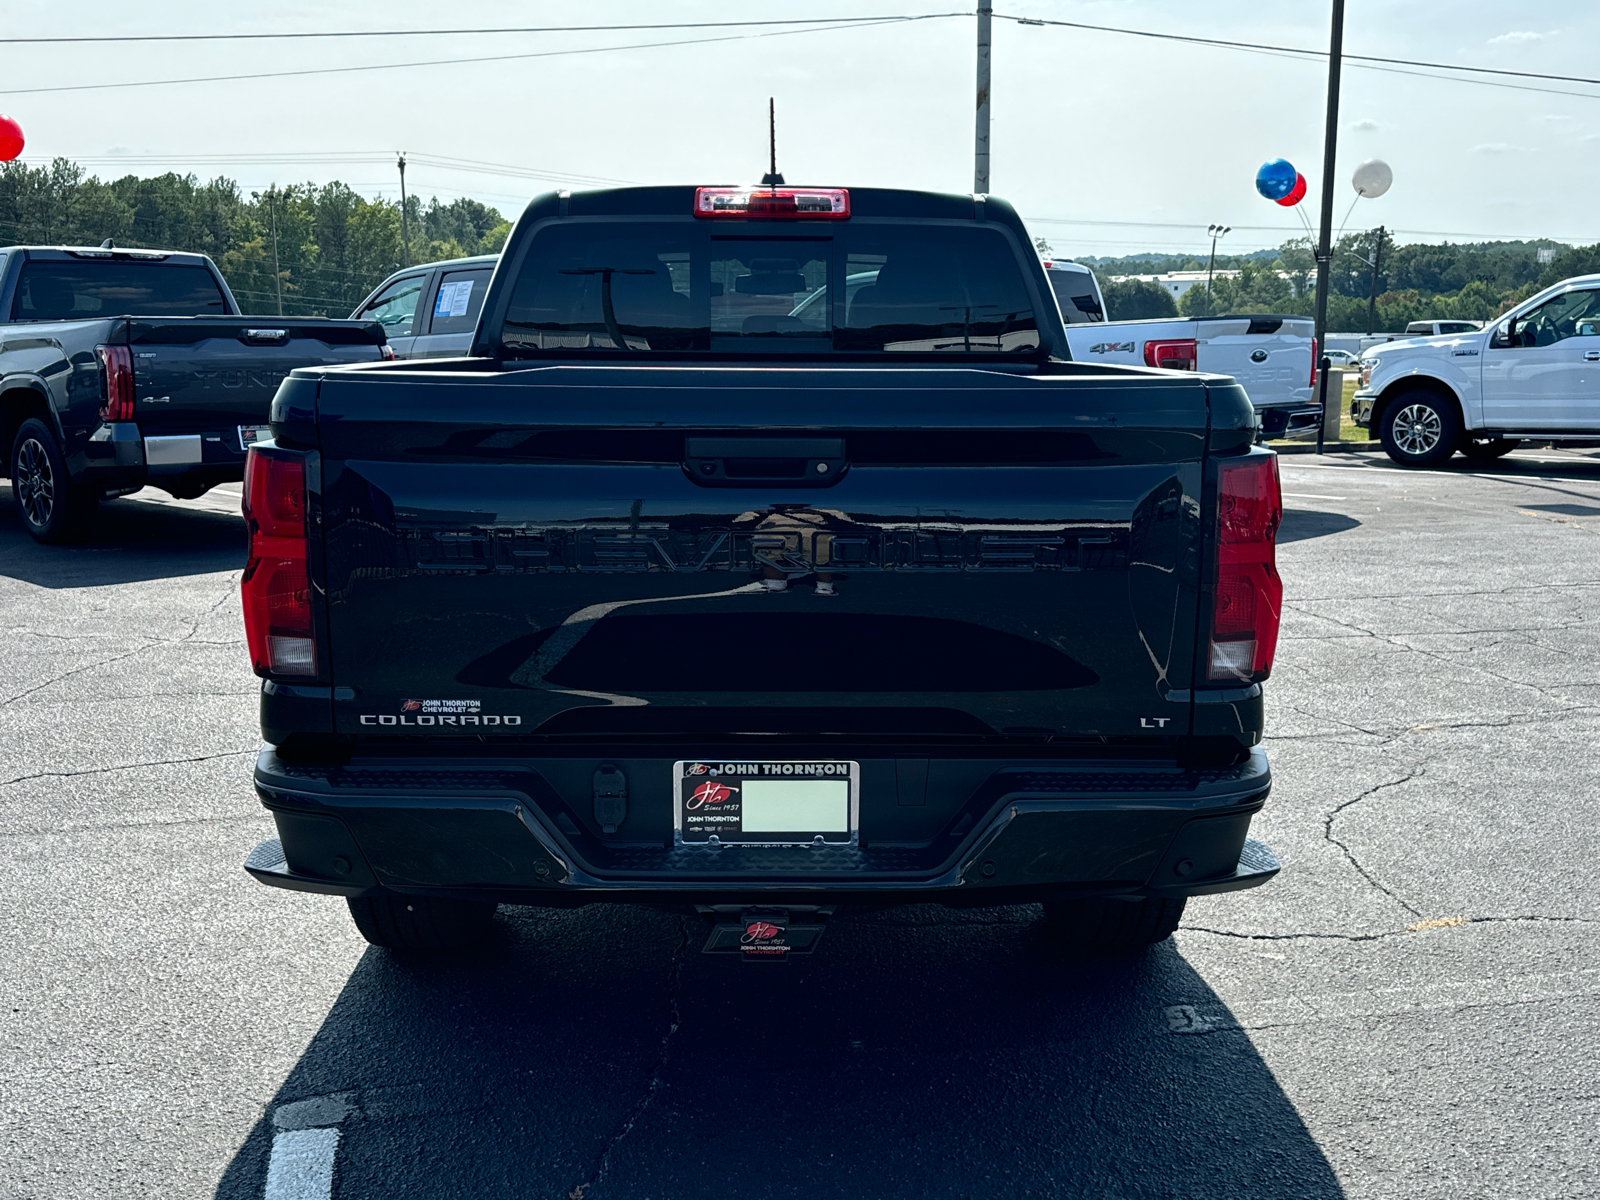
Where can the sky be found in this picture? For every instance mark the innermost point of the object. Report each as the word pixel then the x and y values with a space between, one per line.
pixel 1107 143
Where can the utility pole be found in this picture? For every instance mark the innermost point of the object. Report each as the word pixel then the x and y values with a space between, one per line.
pixel 1372 297
pixel 405 229
pixel 980 166
pixel 277 275
pixel 1216 231
pixel 1330 146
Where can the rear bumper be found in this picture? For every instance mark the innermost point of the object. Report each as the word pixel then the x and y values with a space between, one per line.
pixel 118 457
pixel 1029 830
pixel 1289 420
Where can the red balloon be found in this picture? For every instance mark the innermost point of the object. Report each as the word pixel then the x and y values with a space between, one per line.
pixel 11 139
pixel 1296 194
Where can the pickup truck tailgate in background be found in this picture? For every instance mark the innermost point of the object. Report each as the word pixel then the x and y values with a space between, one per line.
pixel 212 374
pixel 573 551
pixel 1269 356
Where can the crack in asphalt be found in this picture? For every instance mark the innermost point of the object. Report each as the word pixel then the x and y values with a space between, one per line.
pixel 1389 738
pixel 161 762
pixel 655 1081
pixel 105 662
pixel 1327 834
pixel 1382 935
pixel 149 642
pixel 1507 590
pixel 1392 640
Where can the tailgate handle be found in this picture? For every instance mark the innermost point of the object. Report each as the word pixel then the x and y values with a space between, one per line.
pixel 765 461
pixel 265 337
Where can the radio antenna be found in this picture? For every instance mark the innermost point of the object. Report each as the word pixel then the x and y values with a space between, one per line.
pixel 772 178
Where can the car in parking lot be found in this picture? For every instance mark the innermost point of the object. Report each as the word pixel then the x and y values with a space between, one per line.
pixel 1535 373
pixel 430 311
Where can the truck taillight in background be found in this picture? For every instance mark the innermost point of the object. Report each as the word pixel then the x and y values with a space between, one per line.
pixel 116 382
pixel 1176 354
pixel 1249 596
pixel 1313 362
pixel 276 588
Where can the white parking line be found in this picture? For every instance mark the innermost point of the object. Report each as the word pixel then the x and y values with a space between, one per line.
pixel 301 1167
pixel 303 1148
pixel 1311 496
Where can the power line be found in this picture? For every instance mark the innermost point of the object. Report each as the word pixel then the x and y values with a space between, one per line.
pixel 1369 62
pixel 352 157
pixel 1195 225
pixel 448 62
pixel 1311 53
pixel 366 33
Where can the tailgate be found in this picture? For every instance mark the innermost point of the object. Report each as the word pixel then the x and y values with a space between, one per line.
pixel 1270 356
pixel 212 374
pixel 642 551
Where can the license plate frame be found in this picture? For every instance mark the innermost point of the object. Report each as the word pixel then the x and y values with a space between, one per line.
pixel 249 435
pixel 727 813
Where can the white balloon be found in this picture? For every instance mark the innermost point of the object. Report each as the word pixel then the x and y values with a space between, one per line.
pixel 1372 178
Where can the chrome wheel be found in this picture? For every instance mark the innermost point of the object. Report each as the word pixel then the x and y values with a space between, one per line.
pixel 1417 429
pixel 35 483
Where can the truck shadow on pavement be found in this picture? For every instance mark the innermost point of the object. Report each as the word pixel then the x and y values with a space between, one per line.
pixel 920 1052
pixel 1300 524
pixel 131 541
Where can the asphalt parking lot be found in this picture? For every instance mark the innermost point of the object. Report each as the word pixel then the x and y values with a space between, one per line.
pixel 1412 1009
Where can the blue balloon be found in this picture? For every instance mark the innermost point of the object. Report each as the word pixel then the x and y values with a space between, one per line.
pixel 1275 179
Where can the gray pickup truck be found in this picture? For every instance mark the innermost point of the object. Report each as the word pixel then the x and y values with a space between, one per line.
pixel 126 368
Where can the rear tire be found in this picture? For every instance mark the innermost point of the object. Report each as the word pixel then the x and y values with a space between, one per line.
pixel 1113 924
pixel 53 508
pixel 1420 428
pixel 1488 449
pixel 398 922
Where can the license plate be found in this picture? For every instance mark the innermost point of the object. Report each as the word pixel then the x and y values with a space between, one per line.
pixel 249 435
pixel 785 803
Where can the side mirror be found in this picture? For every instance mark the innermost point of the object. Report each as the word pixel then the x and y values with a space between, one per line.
pixel 1500 339
pixel 1588 328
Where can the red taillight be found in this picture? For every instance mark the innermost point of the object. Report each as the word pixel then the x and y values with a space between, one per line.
pixel 1249 597
pixel 1313 362
pixel 826 203
pixel 277 591
pixel 1176 355
pixel 386 353
pixel 116 381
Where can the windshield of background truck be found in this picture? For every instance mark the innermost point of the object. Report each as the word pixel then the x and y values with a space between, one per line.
pixel 71 291
pixel 684 288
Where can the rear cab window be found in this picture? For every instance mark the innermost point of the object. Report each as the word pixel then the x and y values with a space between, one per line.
pixel 1075 296
pixel 458 301
pixel 683 287
pixel 70 291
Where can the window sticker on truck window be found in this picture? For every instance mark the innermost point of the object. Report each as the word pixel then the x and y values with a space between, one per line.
pixel 453 299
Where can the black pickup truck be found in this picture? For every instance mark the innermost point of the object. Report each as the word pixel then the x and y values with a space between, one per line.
pixel 121 368
pixel 705 580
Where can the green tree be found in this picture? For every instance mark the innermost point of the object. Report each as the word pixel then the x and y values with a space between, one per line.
pixel 1136 300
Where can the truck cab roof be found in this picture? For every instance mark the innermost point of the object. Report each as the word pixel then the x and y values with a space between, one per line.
pixel 114 253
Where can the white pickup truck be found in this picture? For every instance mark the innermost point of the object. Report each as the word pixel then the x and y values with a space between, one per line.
pixel 1533 373
pixel 1271 356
